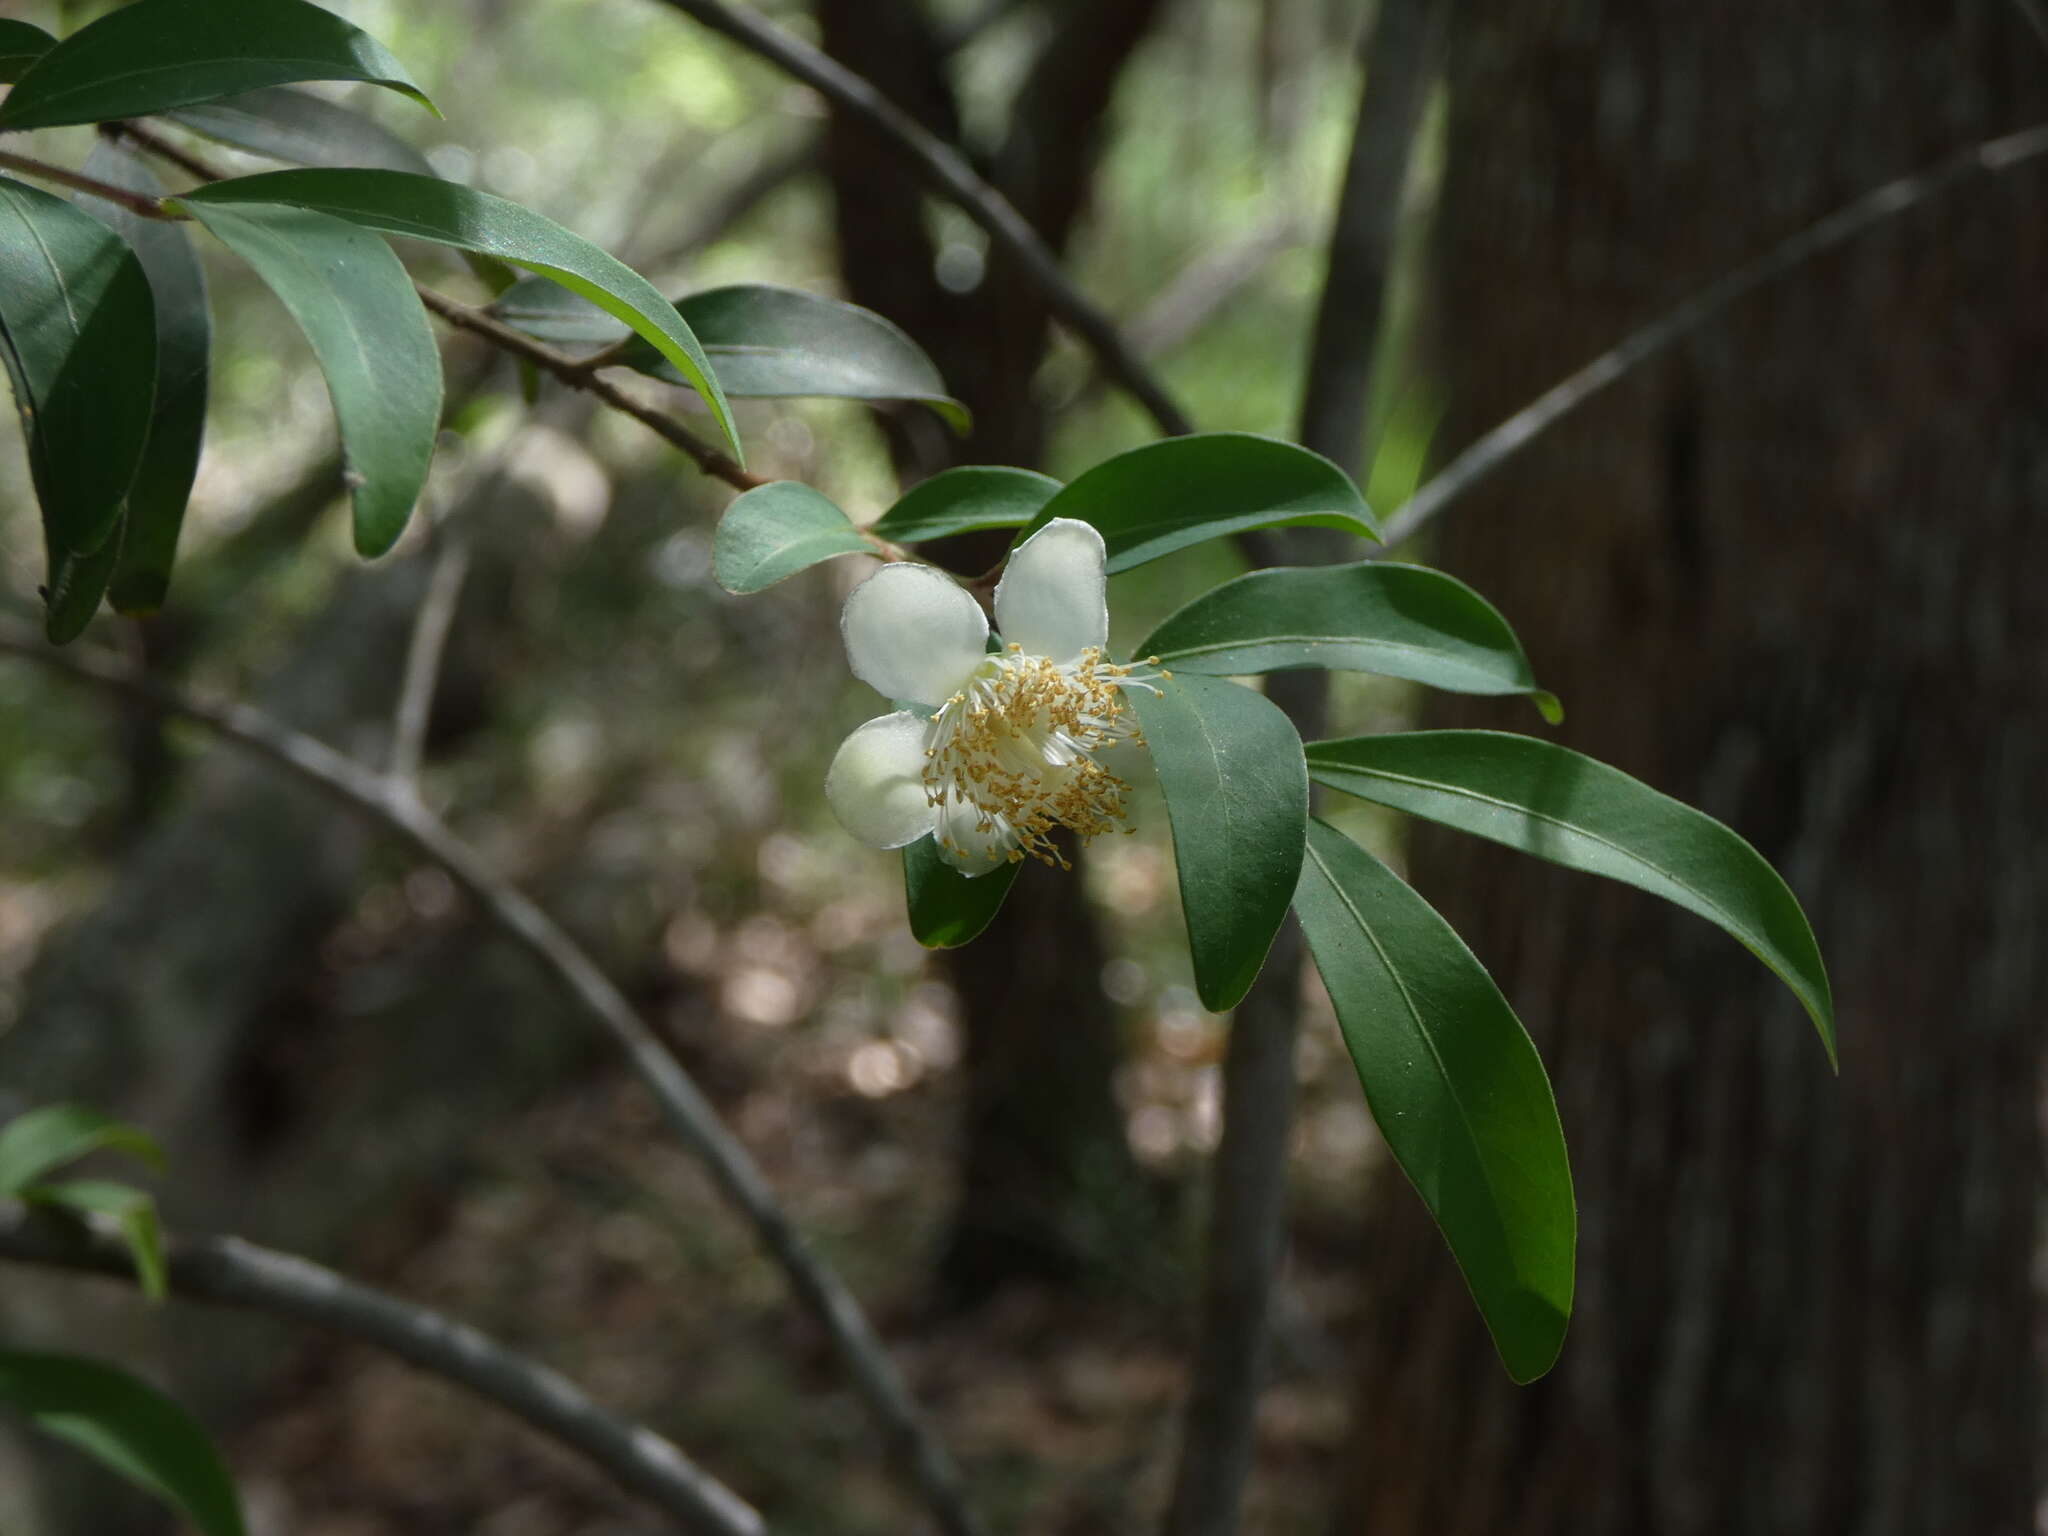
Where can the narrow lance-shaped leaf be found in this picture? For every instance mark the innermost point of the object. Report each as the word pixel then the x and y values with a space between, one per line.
pixel 1397 620
pixel 128 1427
pixel 1236 792
pixel 424 208
pixel 44 1139
pixel 20 46
pixel 1457 1089
pixel 351 297
pixel 131 1209
pixel 1573 810
pixel 155 55
pixel 1167 495
pixel 966 500
pixel 177 424
pixel 78 336
pixel 302 129
pixel 947 909
pixel 776 530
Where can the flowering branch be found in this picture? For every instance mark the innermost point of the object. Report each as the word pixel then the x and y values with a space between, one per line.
pixel 231 1272
pixel 689 1114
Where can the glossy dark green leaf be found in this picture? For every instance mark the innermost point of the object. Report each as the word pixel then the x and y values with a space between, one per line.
pixel 129 1427
pixel 1457 1088
pixel 302 129
pixel 156 55
pixel 946 907
pixel 184 339
pixel 1182 490
pixel 1575 811
pixel 78 336
pixel 425 208
pixel 353 300
pixel 1397 620
pixel 1236 792
pixel 131 1209
pixel 45 1139
pixel 965 500
pixel 20 46
pixel 776 530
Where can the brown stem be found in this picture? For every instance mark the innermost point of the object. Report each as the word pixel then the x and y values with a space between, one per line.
pixel 138 203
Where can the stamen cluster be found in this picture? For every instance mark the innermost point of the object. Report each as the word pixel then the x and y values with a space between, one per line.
pixel 1012 754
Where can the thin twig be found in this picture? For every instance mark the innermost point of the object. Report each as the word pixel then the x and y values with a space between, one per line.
pixel 949 172
pixel 164 149
pixel 436 617
pixel 1247 1235
pixel 682 1103
pixel 570 371
pixel 230 1272
pixel 140 204
pixel 1487 454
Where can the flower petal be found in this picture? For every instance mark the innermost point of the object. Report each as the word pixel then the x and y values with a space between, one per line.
pixel 1050 600
pixel 876 782
pixel 965 843
pixel 913 634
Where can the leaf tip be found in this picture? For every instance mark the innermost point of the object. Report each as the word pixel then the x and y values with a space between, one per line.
pixel 1548 705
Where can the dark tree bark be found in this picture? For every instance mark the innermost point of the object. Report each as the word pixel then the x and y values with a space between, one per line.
pixel 1790 575
pixel 1046 1174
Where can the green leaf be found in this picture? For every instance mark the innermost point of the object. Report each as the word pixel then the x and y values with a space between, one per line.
pixel 947 909
pixel 1230 765
pixel 767 342
pixel 129 1427
pixel 351 297
pixel 1573 810
pixel 76 583
pixel 1397 620
pixel 45 1139
pixel 425 208
pixel 78 335
pixel 131 1208
pixel 155 55
pixel 184 339
pixel 965 500
pixel 1457 1088
pixel 303 129
pixel 776 530
pixel 20 46
pixel 1180 491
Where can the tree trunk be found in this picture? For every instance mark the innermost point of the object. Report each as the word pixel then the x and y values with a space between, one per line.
pixel 1792 576
pixel 1047 1179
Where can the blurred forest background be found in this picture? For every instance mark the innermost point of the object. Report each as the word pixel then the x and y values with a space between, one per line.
pixel 1790 571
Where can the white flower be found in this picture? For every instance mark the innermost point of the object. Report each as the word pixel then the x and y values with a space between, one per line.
pixel 1009 750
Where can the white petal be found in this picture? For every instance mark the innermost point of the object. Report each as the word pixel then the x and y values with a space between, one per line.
pixel 1050 599
pixel 876 782
pixel 965 844
pixel 913 634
